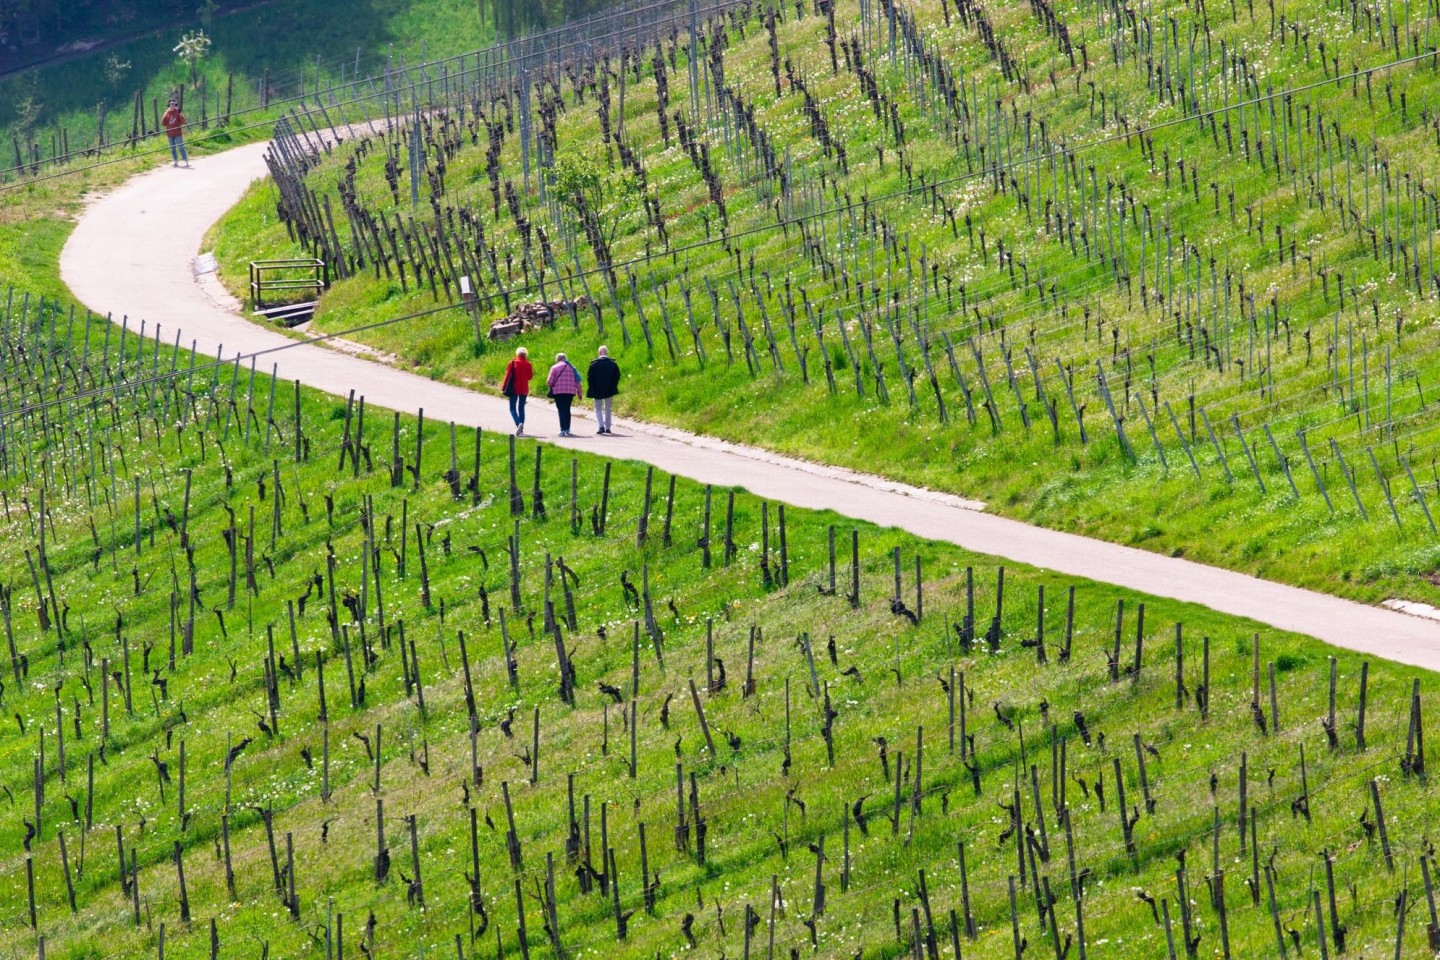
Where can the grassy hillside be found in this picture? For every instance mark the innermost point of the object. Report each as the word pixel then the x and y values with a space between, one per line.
pixel 300 43
pixel 175 525
pixel 954 255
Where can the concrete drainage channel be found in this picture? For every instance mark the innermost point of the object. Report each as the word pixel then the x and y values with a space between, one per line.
pixel 1413 608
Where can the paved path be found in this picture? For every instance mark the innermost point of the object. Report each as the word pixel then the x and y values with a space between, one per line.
pixel 133 252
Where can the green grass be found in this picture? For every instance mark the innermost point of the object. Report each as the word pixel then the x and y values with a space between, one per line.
pixel 287 37
pixel 115 595
pixel 1365 380
pixel 36 215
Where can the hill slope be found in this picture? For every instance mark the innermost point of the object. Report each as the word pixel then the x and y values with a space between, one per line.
pixel 1159 275
pixel 256 637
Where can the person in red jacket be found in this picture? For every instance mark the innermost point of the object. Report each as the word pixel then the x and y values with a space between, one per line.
pixel 516 386
pixel 174 123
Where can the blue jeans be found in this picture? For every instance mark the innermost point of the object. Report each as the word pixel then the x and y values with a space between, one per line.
pixel 517 409
pixel 177 150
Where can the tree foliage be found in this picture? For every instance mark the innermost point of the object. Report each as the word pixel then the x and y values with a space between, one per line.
pixel 599 198
pixel 192 48
pixel 514 18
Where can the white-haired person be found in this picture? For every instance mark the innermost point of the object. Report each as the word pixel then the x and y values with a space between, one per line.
pixel 516 386
pixel 565 387
pixel 604 377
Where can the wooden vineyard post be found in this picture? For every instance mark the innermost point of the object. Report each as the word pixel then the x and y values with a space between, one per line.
pixel 1274 910
pixel 1400 923
pixel 1329 722
pixel 730 546
pixel 621 919
pixel 1381 827
pixel 1014 920
pixel 30 890
pixel 134 887
pixel 784 542
pixel 1144 778
pixel 854 595
pixel 1337 930
pixel 1126 824
pixel 514 556
pixel 1434 927
pixel 950 709
pixel 419 448
pixel 1069 625
pixel 537 499
pixel 416 893
pixel 1204 700
pixel 517 499
pixel 642 526
pixel 598 524
pixel 1113 658
pixel 704 541
pixel 899 785
pixel 1040 655
pixel 895 600
pixel 382 855
pixel 1243 786
pixel 512 840
pixel 774 906
pixel 1319 914
pixel 1139 643
pixel 69 881
pixel 1223 916
pixel 180 882
pixel 647 885
pixel 1179 666
pixel 1360 713
pixel 225 842
pixel 1414 761
pixel 749 688
pixel 1183 901
pixel 535 749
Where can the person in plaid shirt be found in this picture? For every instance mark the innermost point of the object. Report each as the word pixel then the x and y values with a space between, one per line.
pixel 564 383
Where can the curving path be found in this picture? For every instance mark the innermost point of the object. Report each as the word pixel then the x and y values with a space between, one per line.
pixel 133 254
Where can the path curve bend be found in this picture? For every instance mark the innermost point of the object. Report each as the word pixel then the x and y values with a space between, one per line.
pixel 132 255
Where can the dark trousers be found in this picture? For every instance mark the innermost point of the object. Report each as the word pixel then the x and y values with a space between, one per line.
pixel 562 405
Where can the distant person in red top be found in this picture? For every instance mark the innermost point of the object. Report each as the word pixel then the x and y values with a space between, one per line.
pixel 174 123
pixel 516 386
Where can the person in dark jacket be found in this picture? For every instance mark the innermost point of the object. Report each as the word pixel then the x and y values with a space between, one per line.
pixel 604 376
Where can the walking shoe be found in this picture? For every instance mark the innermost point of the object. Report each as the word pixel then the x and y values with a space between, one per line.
pixel 520 430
